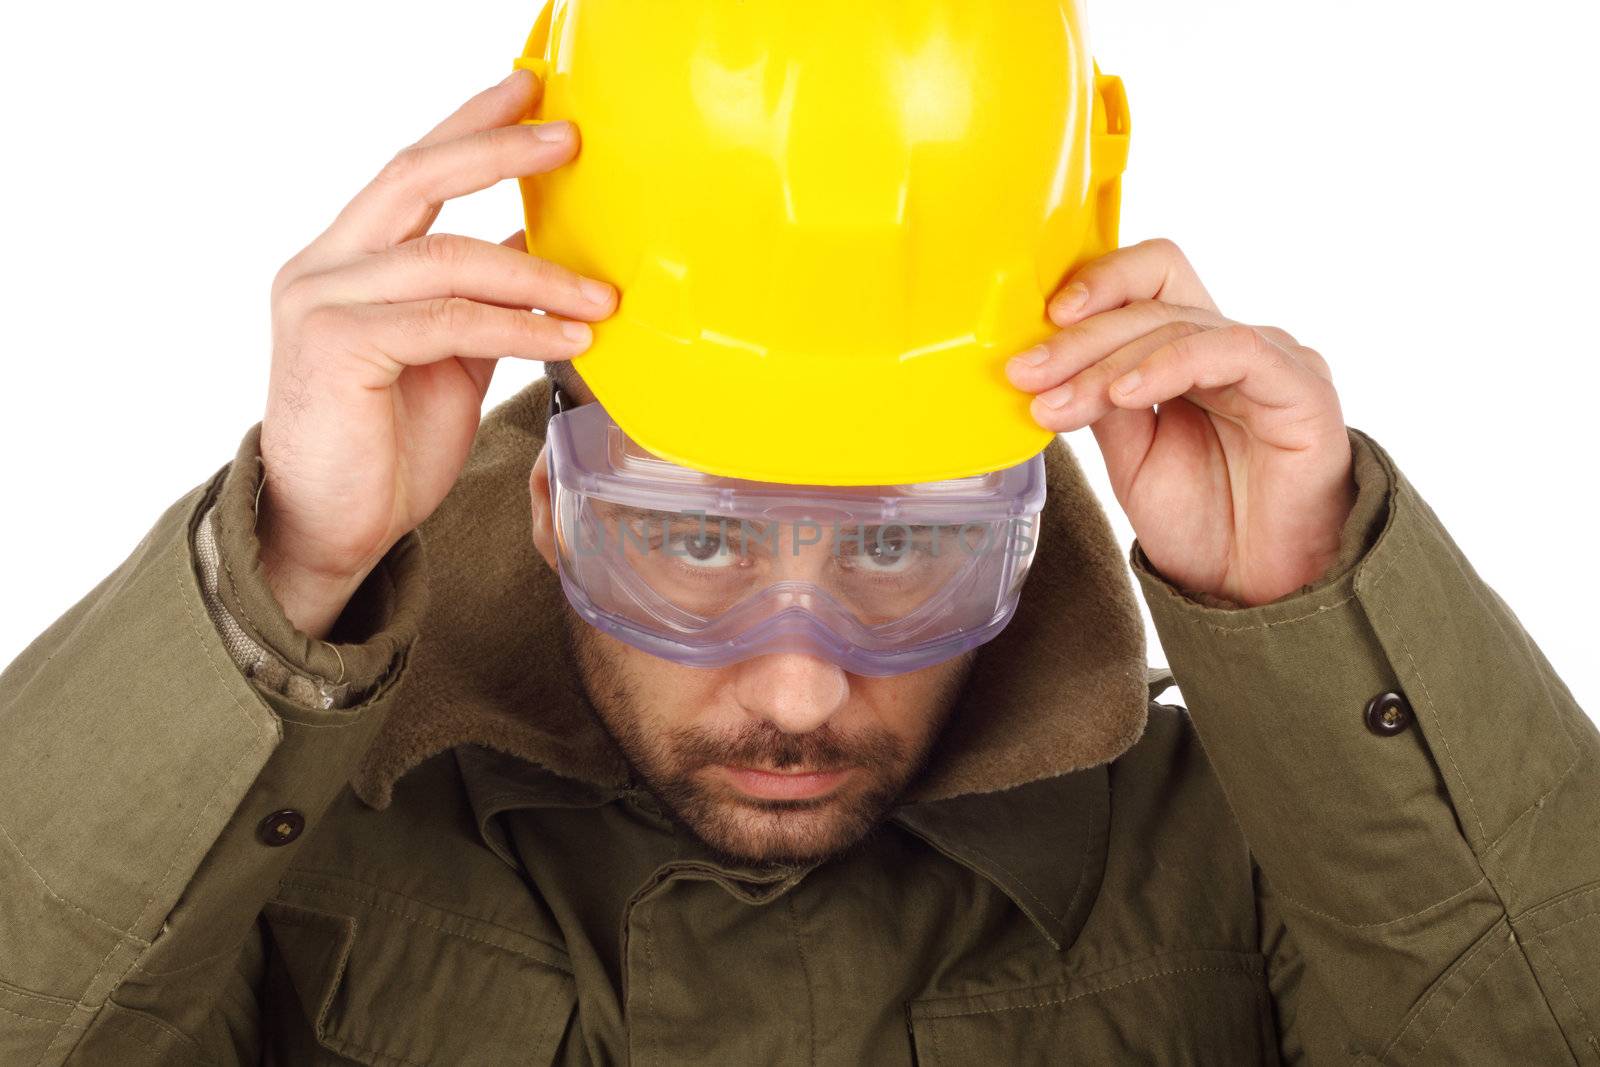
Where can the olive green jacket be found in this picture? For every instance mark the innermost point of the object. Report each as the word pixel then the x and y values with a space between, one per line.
pixel 223 842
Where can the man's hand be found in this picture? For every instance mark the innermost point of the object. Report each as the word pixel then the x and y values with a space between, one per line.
pixel 384 340
pixel 1239 483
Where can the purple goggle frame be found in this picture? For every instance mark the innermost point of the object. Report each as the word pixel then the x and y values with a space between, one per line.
pixel 706 571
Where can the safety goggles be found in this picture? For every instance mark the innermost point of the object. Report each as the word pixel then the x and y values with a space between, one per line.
pixel 705 570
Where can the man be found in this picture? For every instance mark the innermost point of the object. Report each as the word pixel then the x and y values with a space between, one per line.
pixel 329 770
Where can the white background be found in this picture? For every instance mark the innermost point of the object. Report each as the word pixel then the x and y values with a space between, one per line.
pixel 1407 187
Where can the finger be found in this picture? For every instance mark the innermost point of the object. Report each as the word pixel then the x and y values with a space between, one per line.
pixel 1086 343
pixel 1238 362
pixel 481 371
pixel 446 264
pixel 498 105
pixel 405 197
pixel 396 336
pixel 1150 270
pixel 1124 436
pixel 1084 397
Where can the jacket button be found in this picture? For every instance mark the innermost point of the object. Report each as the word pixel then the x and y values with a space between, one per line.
pixel 1388 714
pixel 281 827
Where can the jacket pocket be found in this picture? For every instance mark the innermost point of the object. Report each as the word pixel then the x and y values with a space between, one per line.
pixel 1182 1008
pixel 386 981
pixel 1562 943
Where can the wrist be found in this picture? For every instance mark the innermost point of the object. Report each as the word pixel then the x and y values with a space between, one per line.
pixel 312 601
pixel 1330 540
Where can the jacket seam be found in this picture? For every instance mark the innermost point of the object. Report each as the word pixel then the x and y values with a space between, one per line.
pixel 1412 544
pixel 1383 922
pixel 1247 963
pixel 324 725
pixel 42 1019
pixel 1083 863
pixel 1245 628
pixel 31 994
pixel 1577 757
pixel 649 975
pixel 165 1027
pixel 1416 1013
pixel 503 795
pixel 120 931
pixel 1577 752
pixel 1588 1027
pixel 1484 941
pixel 1542 937
pixel 190 966
pixel 1491 965
pixel 1583 891
pixel 341 1044
pixel 374 905
pixel 1022 884
pixel 1241 972
pixel 39 877
pixel 805 976
pixel 129 937
pixel 374 891
pixel 307 919
pixel 183 571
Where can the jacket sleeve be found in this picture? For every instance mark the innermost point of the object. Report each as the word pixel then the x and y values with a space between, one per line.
pixel 1431 880
pixel 143 746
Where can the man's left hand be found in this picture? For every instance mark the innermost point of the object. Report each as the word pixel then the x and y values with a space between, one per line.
pixel 1239 483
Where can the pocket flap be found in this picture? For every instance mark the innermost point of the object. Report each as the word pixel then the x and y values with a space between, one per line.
pixel 1190 1007
pixel 394 985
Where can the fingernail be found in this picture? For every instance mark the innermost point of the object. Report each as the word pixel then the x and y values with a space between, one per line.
pixel 576 332
pixel 1058 397
pixel 552 131
pixel 1033 357
pixel 595 292
pixel 1127 383
pixel 1071 299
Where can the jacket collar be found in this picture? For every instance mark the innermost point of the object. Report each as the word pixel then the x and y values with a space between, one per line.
pixel 1043 844
pixel 1060 690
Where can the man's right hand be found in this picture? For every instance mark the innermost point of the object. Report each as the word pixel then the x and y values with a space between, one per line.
pixel 384 340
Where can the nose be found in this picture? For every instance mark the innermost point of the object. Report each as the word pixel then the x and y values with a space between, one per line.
pixel 793 691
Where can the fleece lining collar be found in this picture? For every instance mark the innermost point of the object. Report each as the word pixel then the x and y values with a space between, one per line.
pixel 1061 689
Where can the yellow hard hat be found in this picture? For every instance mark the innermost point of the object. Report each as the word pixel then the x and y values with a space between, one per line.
pixel 831 223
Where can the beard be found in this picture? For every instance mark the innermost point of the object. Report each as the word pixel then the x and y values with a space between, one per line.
pixel 670 761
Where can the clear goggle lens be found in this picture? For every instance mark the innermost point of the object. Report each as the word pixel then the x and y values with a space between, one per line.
pixel 879 579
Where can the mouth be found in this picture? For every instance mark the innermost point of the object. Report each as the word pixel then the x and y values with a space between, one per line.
pixel 773 785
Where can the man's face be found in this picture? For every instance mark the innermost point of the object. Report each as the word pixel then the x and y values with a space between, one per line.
pixel 781 758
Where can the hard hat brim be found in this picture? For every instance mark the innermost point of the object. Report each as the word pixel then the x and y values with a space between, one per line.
pixel 722 409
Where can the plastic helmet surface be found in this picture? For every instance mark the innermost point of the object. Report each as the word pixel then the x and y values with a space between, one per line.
pixel 831 223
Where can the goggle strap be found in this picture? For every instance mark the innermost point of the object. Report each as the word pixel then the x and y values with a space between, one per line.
pixel 559 402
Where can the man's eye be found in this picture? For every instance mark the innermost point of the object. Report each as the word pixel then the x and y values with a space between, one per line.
pixel 703 549
pixel 889 562
pixel 889 550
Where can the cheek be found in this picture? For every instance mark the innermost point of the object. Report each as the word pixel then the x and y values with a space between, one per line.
pixel 912 706
pixel 904 705
pixel 672 693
